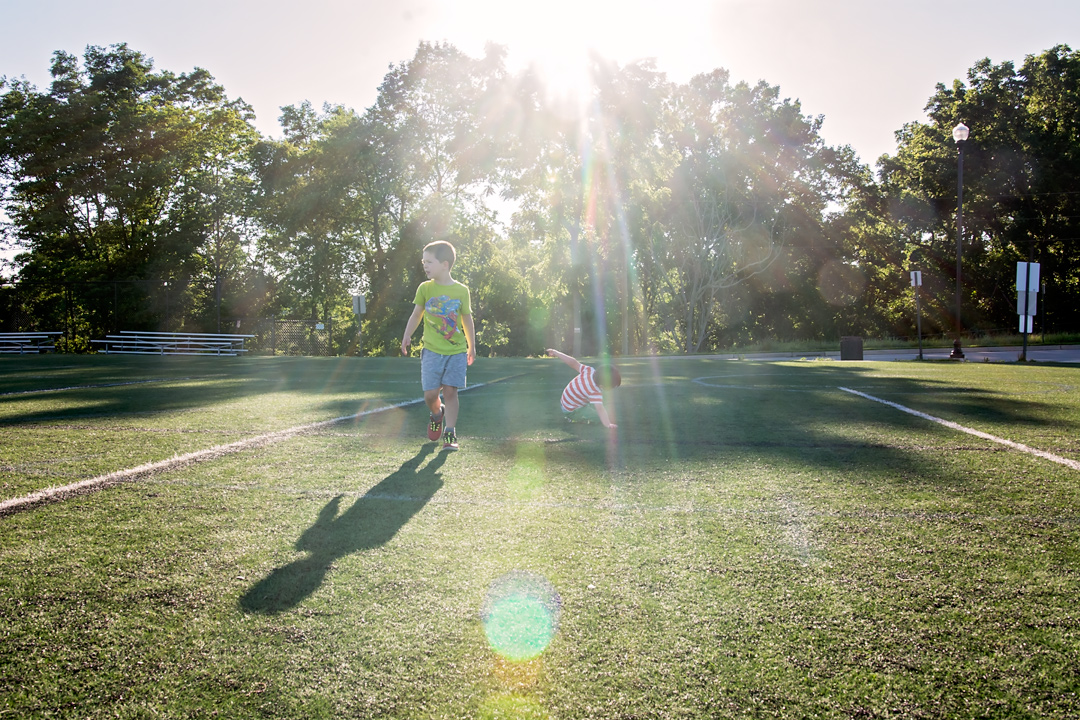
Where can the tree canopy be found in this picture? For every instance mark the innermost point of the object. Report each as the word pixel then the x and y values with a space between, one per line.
pixel 1021 202
pixel 648 216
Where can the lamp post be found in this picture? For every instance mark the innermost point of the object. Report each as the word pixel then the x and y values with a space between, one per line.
pixel 960 136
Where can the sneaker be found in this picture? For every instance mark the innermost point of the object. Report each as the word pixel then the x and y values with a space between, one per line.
pixel 579 417
pixel 435 425
pixel 449 440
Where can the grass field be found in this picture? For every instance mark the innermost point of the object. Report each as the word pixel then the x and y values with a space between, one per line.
pixel 755 542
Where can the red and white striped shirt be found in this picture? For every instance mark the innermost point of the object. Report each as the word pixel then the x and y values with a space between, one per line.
pixel 581 391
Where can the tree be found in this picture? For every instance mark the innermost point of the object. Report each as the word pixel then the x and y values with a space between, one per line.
pixel 1020 164
pixel 221 189
pixel 753 177
pixel 307 203
pixel 584 173
pixel 632 121
pixel 107 174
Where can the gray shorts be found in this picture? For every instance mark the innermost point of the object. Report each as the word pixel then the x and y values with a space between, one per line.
pixel 437 370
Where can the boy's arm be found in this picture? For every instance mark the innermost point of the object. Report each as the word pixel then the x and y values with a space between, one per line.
pixel 470 335
pixel 410 328
pixel 604 417
pixel 572 362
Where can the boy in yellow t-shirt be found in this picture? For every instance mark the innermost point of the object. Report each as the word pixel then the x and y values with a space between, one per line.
pixel 443 304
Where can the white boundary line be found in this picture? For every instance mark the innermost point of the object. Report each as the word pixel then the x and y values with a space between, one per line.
pixel 89 387
pixel 971 431
pixel 13 505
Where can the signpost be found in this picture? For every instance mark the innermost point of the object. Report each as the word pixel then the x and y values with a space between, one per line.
pixel 1027 293
pixel 916 282
pixel 359 307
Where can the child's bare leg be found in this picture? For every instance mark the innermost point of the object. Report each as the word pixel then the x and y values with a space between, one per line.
pixel 450 402
pixel 431 397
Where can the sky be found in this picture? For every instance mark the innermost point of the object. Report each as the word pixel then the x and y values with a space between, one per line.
pixel 867 66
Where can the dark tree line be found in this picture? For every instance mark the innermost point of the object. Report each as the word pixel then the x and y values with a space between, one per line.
pixel 651 216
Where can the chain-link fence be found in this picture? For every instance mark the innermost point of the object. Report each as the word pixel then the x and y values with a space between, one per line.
pixel 284 336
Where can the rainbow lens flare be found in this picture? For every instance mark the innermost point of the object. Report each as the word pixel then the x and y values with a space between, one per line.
pixel 521 615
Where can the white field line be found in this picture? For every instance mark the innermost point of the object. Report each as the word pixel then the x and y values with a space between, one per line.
pixel 89 387
pixel 971 431
pixel 96 483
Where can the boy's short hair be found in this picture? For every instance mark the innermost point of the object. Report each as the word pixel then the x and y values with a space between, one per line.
pixel 609 375
pixel 443 251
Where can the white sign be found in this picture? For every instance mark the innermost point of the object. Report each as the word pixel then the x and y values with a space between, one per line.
pixel 1027 293
pixel 916 278
pixel 320 326
pixel 1026 275
pixel 1026 303
pixel 359 306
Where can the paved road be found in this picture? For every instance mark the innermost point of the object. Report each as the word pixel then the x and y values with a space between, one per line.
pixel 1038 353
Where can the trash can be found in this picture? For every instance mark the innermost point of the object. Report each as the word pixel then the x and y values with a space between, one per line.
pixel 851 347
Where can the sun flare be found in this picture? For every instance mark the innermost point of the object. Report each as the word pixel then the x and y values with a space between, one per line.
pixel 564 72
pixel 558 38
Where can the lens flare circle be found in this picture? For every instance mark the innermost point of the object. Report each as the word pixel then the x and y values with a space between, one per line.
pixel 521 615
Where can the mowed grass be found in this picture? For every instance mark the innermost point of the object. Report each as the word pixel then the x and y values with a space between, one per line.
pixel 755 542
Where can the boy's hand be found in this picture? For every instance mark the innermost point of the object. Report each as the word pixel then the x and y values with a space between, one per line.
pixel 405 347
pixel 571 362
pixel 470 356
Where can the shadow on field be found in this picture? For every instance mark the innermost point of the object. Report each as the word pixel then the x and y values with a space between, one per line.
pixel 370 522
pixel 717 412
pixel 66 387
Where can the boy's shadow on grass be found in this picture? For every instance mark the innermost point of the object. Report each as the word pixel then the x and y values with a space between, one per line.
pixel 370 522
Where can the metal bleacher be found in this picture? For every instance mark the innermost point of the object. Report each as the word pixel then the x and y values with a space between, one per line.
pixel 173 343
pixel 28 343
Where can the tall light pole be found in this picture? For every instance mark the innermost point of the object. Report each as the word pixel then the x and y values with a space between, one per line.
pixel 960 136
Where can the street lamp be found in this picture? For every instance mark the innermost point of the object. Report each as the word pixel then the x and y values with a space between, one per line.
pixel 960 136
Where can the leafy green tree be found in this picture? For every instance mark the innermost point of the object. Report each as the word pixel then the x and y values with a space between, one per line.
pixel 632 121
pixel 582 168
pixel 550 191
pixel 306 203
pixel 754 178
pixel 1020 164
pixel 863 247
pixel 222 210
pixel 106 175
